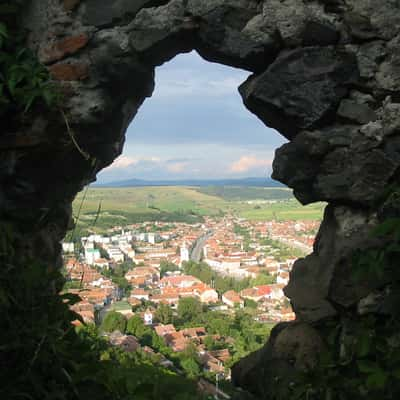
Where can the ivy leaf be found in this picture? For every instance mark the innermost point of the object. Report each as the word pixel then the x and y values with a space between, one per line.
pixel 364 345
pixel 367 367
pixel 377 380
pixel 48 96
pixel 3 30
pixel 387 227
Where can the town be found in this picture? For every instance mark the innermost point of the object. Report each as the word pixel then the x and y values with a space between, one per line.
pixel 213 289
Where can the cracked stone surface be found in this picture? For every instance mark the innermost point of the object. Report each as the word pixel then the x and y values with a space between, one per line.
pixel 326 74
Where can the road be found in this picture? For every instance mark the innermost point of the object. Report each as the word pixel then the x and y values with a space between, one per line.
pixel 195 254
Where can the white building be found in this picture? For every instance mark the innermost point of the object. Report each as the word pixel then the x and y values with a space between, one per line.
pixel 151 238
pixel 68 247
pixel 184 253
pixel 115 254
pixel 91 255
pixel 148 318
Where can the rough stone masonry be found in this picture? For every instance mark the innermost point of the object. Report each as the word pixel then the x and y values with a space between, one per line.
pixel 325 73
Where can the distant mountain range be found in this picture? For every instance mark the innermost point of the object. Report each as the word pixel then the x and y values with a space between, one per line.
pixel 259 182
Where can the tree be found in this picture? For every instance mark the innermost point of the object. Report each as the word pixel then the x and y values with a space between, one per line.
pixel 263 279
pixel 191 367
pixel 123 284
pixel 250 303
pixel 166 266
pixel 135 326
pixel 113 321
pixel 190 361
pixel 164 314
pixel 189 309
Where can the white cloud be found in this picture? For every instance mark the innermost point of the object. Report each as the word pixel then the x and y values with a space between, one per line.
pixel 123 162
pixel 197 86
pixel 247 163
pixel 177 167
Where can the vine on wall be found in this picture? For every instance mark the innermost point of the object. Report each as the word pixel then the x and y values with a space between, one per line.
pixel 42 355
pixel 24 81
pixel 363 356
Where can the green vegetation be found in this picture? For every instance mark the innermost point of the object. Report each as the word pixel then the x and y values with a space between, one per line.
pixel 44 357
pixel 113 321
pixel 132 205
pixel 282 211
pixel 103 208
pixel 280 251
pixel 117 275
pixel 164 314
pixel 190 362
pixel 24 82
pixel 166 266
pixel 241 193
pixel 189 308
pixel 223 284
pixel 247 334
pixel 362 360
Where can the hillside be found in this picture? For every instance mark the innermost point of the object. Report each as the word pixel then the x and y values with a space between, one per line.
pixel 100 208
pixel 241 193
pixel 244 182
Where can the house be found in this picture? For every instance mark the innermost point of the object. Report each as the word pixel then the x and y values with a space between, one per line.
pixel 148 317
pixel 91 254
pixel 163 330
pixel 250 293
pixel 134 302
pixel 210 363
pixel 222 355
pixel 194 333
pixel 176 340
pixel 146 274
pixel 127 343
pixel 101 263
pixel 140 294
pixel 283 278
pixel 232 299
pixel 181 281
pixel 207 295
pixel 68 247
pixel 166 298
pixel 85 310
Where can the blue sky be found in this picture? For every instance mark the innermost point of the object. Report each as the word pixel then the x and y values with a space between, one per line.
pixel 195 126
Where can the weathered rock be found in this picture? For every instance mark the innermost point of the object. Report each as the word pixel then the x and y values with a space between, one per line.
pixel 327 76
pixel 66 71
pixel 301 89
pixel 103 14
pixel 292 347
pixel 388 75
pixel 69 5
pixel 369 56
pixel 356 112
pixel 158 34
pixel 62 48
pixel 242 41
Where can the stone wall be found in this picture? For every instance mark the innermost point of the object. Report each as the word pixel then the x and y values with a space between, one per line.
pixel 326 74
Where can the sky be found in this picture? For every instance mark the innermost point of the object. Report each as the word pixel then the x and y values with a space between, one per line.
pixel 195 126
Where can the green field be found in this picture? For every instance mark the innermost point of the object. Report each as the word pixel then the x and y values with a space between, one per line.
pixel 285 210
pixel 239 193
pixel 100 208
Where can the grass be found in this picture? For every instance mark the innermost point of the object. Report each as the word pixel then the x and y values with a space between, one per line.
pixel 123 206
pixel 148 200
pixel 240 193
pixel 285 210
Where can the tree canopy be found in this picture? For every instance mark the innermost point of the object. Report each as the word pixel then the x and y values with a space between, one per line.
pixel 113 321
